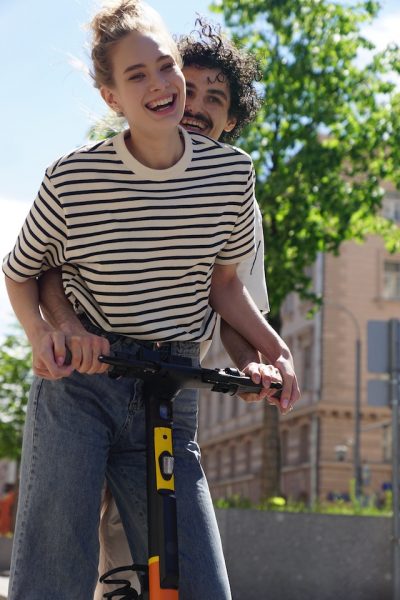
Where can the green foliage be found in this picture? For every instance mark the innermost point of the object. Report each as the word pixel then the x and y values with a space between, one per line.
pixel 328 134
pixel 234 501
pixel 107 126
pixel 366 507
pixel 15 382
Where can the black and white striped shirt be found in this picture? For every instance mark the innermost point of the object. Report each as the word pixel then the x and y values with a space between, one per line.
pixel 138 245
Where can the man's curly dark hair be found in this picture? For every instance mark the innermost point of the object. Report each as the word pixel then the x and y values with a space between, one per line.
pixel 208 47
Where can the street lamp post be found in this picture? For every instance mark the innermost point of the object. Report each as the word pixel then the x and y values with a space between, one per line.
pixel 394 340
pixel 357 422
pixel 357 399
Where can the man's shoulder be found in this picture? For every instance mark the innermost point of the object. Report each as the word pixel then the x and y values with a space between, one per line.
pixel 205 145
pixel 90 152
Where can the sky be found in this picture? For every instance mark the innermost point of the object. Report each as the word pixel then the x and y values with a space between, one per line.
pixel 48 102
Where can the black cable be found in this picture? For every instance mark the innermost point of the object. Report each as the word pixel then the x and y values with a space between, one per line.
pixel 126 592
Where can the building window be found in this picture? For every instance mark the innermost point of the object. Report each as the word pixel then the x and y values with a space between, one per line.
pixel 220 415
pixel 235 406
pixel 248 456
pixel 204 462
pixel 391 208
pixel 232 460
pixel 289 305
pixel 387 443
pixel 218 464
pixel 205 411
pixel 307 368
pixel 304 446
pixel 391 283
pixel 285 447
pixel 309 271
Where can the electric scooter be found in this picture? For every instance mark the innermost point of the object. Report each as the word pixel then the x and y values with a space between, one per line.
pixel 164 376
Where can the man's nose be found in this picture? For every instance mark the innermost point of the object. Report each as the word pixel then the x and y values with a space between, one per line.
pixel 193 105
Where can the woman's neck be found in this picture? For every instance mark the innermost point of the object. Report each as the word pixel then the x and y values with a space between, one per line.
pixel 158 152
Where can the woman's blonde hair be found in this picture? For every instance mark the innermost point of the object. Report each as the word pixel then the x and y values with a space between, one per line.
pixel 115 20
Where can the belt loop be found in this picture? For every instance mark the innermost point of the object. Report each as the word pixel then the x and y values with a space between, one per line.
pixel 164 350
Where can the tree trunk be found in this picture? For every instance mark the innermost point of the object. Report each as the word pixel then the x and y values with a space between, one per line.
pixel 271 447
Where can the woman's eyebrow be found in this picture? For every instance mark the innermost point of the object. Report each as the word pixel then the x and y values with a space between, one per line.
pixel 142 65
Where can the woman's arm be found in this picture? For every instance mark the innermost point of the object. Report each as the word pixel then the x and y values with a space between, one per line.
pixel 49 342
pixel 231 300
pixel 48 345
pixel 84 346
pixel 248 360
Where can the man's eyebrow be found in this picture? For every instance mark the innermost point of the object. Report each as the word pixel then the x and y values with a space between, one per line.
pixel 217 92
pixel 142 65
pixel 214 91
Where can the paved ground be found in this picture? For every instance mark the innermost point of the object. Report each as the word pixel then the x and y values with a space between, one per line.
pixel 3 587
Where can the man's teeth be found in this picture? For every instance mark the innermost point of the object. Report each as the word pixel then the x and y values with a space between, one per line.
pixel 160 103
pixel 193 123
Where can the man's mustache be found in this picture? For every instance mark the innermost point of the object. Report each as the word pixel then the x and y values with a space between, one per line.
pixel 199 117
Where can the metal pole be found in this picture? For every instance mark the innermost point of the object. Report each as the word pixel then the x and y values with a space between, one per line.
pixel 394 400
pixel 357 400
pixel 357 424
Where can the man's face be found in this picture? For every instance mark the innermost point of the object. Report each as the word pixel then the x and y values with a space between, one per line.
pixel 208 102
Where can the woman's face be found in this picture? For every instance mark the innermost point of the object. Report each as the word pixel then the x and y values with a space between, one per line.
pixel 149 87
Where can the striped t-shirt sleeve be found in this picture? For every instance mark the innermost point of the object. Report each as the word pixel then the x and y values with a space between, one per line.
pixel 240 245
pixel 138 245
pixel 42 240
pixel 251 272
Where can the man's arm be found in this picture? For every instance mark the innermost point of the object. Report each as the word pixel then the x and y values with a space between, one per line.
pixel 245 357
pixel 239 349
pixel 85 347
pixel 55 306
pixel 231 300
pixel 48 345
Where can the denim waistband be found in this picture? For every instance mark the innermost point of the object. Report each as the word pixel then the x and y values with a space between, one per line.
pixel 110 335
pixel 181 348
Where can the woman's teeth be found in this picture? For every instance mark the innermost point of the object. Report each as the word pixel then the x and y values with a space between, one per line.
pixel 160 104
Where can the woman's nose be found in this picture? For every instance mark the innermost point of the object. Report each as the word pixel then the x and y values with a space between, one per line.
pixel 158 82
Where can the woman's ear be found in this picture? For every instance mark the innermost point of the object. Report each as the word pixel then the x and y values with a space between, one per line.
pixel 110 98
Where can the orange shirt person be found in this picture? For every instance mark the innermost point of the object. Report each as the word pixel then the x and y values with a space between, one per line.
pixel 7 511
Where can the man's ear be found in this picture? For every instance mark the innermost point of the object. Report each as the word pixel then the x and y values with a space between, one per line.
pixel 230 124
pixel 110 98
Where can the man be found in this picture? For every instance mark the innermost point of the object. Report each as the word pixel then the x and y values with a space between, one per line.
pixel 221 100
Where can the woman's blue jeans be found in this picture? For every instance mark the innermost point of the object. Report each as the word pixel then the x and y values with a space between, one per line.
pixel 80 430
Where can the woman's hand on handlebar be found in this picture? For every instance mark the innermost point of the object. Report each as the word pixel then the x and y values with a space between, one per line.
pixel 265 374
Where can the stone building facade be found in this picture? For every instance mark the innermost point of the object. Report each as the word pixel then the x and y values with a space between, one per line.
pixel 362 283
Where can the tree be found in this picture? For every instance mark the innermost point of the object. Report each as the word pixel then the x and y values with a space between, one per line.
pixel 327 135
pixel 15 381
pixel 326 138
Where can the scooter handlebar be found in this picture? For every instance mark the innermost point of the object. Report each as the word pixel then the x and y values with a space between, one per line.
pixel 226 381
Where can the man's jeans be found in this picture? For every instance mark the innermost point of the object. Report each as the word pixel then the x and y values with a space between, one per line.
pixel 80 430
